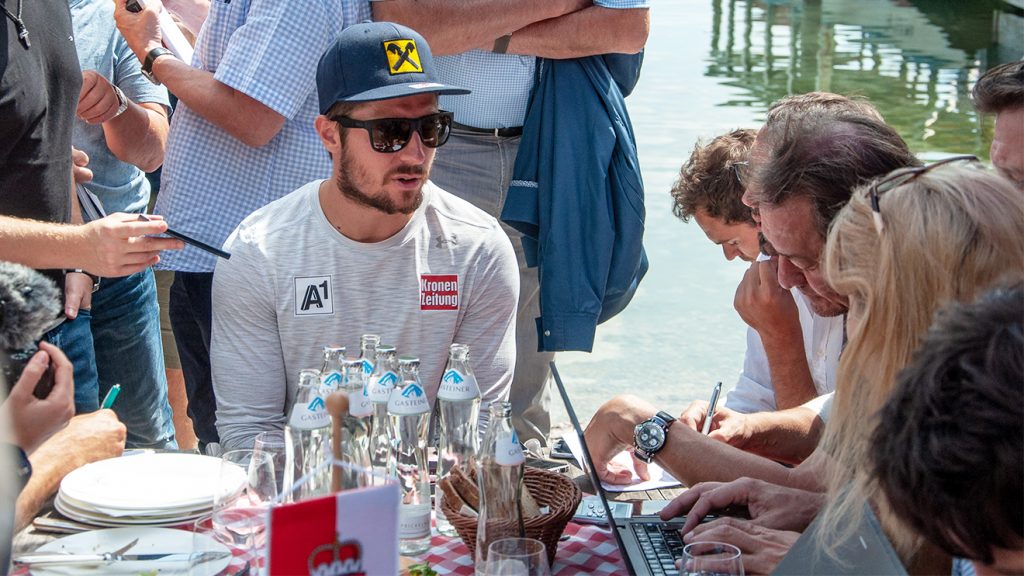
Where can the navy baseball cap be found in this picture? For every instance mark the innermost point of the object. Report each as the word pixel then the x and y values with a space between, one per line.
pixel 377 61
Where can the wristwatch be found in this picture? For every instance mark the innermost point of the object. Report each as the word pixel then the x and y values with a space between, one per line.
pixel 649 436
pixel 122 101
pixel 147 66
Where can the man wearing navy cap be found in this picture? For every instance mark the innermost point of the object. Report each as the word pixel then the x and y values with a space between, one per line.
pixel 374 248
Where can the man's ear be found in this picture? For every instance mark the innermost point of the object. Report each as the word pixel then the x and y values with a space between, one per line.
pixel 329 132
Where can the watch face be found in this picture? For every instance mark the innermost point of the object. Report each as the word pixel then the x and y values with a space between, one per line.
pixel 650 436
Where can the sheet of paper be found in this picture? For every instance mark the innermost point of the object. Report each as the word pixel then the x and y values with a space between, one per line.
pixel 659 477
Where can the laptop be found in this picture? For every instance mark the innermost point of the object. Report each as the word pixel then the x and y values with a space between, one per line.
pixel 649 546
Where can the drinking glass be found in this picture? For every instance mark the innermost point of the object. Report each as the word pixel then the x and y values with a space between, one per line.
pixel 517 557
pixel 711 559
pixel 207 556
pixel 287 463
pixel 246 488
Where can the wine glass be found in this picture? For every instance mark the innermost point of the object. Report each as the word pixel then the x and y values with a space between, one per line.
pixel 517 557
pixel 246 488
pixel 208 552
pixel 711 559
pixel 287 463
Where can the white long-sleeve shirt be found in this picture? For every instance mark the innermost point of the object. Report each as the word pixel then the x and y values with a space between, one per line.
pixel 823 343
pixel 294 284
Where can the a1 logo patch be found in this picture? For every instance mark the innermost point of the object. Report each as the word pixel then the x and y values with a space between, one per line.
pixel 313 295
pixel 439 291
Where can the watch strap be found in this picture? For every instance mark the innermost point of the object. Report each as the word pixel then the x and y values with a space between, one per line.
pixel 501 44
pixel 122 101
pixel 147 65
pixel 95 279
pixel 665 417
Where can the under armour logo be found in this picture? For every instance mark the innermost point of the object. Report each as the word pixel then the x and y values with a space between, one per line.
pixel 442 242
pixel 313 296
pixel 402 56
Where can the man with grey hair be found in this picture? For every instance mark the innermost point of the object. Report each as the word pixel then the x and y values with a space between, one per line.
pixel 805 163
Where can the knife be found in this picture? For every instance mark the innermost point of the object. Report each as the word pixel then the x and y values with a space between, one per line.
pixel 59 558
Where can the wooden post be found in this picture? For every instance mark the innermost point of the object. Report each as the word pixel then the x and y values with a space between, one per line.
pixel 337 407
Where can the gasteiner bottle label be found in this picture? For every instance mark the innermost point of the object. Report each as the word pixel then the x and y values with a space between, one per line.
pixel 507 451
pixel 359 403
pixel 408 400
pixel 380 389
pixel 310 416
pixel 457 386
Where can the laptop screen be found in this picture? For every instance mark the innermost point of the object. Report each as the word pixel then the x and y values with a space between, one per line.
pixel 588 466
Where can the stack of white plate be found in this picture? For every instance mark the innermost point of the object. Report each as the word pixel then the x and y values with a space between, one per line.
pixel 150 489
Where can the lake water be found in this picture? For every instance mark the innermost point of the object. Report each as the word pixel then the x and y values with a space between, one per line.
pixel 716 65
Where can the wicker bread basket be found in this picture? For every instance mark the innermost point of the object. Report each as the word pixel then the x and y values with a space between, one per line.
pixel 550 489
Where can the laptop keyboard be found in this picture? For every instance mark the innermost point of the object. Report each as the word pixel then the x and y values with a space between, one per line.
pixel 661 545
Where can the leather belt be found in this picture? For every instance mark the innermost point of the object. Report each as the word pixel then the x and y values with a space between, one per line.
pixel 496 132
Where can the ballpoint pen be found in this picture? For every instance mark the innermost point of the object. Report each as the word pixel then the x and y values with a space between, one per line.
pixel 711 408
pixel 108 400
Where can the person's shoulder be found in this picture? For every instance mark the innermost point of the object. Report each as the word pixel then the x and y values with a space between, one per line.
pixel 277 217
pixel 450 207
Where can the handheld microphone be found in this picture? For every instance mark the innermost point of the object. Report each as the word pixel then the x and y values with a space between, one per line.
pixel 29 304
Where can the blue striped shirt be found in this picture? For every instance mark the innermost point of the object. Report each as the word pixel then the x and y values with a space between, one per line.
pixel 500 83
pixel 267 49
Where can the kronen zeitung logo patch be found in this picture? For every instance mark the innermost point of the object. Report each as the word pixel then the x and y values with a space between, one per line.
pixel 439 291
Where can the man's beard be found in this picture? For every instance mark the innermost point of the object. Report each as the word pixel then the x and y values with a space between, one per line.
pixel 381 201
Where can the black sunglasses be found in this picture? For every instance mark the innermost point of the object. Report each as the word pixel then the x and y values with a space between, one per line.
pixel 389 135
pixel 900 177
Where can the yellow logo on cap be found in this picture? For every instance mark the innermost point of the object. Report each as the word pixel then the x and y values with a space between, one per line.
pixel 402 56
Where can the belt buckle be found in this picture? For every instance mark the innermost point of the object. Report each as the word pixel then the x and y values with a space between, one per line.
pixel 497 132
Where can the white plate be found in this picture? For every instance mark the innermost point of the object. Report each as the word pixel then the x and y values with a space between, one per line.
pixel 151 541
pixel 137 513
pixel 96 519
pixel 146 481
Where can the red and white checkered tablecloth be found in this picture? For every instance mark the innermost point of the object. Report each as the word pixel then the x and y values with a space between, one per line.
pixel 589 550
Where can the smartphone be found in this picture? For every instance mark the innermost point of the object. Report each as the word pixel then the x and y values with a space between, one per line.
pixel 189 240
pixel 560 467
pixel 561 450
pixel 591 511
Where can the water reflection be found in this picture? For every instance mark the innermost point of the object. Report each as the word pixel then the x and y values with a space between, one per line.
pixel 916 61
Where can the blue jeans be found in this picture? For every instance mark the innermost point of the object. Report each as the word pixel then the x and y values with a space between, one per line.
pixel 129 352
pixel 191 314
pixel 74 338
pixel 478 168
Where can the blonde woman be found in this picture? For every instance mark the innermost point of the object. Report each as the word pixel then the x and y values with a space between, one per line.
pixel 903 247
